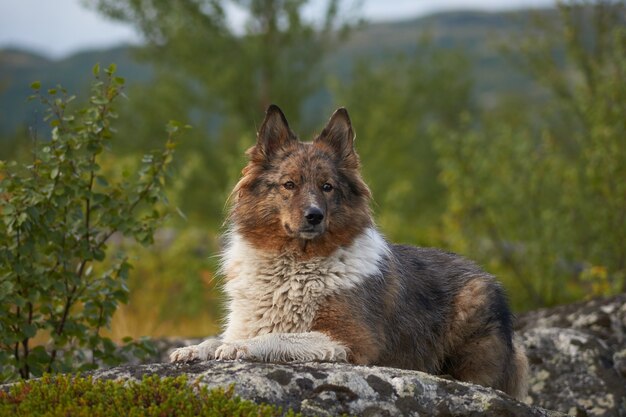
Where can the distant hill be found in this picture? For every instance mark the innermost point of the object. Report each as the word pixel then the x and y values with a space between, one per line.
pixel 18 69
pixel 477 34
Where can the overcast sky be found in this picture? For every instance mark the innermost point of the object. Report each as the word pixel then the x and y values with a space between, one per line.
pixel 57 28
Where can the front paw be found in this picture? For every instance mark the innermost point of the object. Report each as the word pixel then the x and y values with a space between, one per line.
pixel 185 354
pixel 232 351
pixel 333 353
pixel 204 351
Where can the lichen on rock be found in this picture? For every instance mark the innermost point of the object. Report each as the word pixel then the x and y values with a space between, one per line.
pixel 577 355
pixel 329 389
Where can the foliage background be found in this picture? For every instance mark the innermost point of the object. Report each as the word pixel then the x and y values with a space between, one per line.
pixel 498 136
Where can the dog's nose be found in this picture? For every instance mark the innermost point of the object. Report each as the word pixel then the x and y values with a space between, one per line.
pixel 313 216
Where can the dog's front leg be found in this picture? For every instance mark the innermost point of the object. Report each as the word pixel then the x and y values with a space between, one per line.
pixel 285 347
pixel 204 351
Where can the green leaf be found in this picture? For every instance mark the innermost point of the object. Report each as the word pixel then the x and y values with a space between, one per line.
pixel 102 181
pixel 29 330
pixel 173 126
pixel 96 70
pixel 111 70
pixel 99 101
pixel 38 356
pixel 6 287
pixel 36 85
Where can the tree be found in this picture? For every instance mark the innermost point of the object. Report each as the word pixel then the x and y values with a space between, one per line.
pixel 540 196
pixel 277 58
pixel 398 108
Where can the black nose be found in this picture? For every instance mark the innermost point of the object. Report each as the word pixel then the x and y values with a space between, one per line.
pixel 314 216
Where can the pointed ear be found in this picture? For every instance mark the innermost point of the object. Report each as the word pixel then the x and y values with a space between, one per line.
pixel 274 133
pixel 339 136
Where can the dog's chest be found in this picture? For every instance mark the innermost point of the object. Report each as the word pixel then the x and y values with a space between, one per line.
pixel 282 295
pixel 269 293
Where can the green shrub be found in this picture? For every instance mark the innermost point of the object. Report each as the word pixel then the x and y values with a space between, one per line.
pixel 538 193
pixel 82 396
pixel 58 215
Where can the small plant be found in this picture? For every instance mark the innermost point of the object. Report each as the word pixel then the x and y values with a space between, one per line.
pixel 58 214
pixel 79 396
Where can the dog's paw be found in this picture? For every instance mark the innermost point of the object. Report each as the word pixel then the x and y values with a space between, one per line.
pixel 185 354
pixel 204 351
pixel 232 351
pixel 334 353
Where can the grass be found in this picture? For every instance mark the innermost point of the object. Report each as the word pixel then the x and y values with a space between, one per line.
pixel 72 395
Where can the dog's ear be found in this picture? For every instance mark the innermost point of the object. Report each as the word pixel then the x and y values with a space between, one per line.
pixel 338 134
pixel 274 132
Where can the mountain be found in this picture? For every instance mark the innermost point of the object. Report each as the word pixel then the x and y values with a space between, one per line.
pixel 18 69
pixel 479 35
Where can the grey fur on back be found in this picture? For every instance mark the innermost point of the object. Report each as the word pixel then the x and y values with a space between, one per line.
pixel 416 299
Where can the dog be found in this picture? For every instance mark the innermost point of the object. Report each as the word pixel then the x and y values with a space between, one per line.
pixel 310 278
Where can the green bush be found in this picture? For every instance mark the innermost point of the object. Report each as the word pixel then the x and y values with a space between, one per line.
pixel 82 396
pixel 58 215
pixel 539 195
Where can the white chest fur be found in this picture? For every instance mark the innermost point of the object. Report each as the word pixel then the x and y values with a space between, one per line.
pixel 269 293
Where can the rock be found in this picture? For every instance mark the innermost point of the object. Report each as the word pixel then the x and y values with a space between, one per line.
pixel 326 389
pixel 619 361
pixel 577 356
pixel 572 371
pixel 604 318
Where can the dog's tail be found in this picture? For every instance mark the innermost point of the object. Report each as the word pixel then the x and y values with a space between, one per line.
pixel 517 379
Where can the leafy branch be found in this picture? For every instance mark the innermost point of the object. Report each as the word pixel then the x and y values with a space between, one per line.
pixel 59 214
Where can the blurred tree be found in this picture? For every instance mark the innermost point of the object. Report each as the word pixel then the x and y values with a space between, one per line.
pixel 541 195
pixel 220 78
pixel 275 57
pixel 396 108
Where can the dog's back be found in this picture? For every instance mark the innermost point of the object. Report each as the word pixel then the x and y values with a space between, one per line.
pixel 432 311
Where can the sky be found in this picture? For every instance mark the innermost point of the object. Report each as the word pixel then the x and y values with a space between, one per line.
pixel 58 28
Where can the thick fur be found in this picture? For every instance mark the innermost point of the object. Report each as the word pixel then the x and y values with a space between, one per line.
pixel 309 277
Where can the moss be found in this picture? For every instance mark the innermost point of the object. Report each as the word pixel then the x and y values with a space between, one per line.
pixel 68 395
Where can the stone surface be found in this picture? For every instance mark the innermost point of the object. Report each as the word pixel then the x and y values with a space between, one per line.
pixel 577 355
pixel 603 318
pixel 326 389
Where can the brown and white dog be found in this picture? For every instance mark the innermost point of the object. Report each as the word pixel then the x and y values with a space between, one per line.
pixel 309 278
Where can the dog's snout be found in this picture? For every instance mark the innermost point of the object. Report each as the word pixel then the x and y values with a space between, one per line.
pixel 313 216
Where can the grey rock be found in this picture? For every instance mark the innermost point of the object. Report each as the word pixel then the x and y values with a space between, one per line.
pixel 572 371
pixel 619 362
pixel 604 318
pixel 577 356
pixel 327 389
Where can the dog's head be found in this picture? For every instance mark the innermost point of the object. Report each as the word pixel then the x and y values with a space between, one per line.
pixel 302 197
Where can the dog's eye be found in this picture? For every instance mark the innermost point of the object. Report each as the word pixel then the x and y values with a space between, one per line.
pixel 327 188
pixel 289 185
